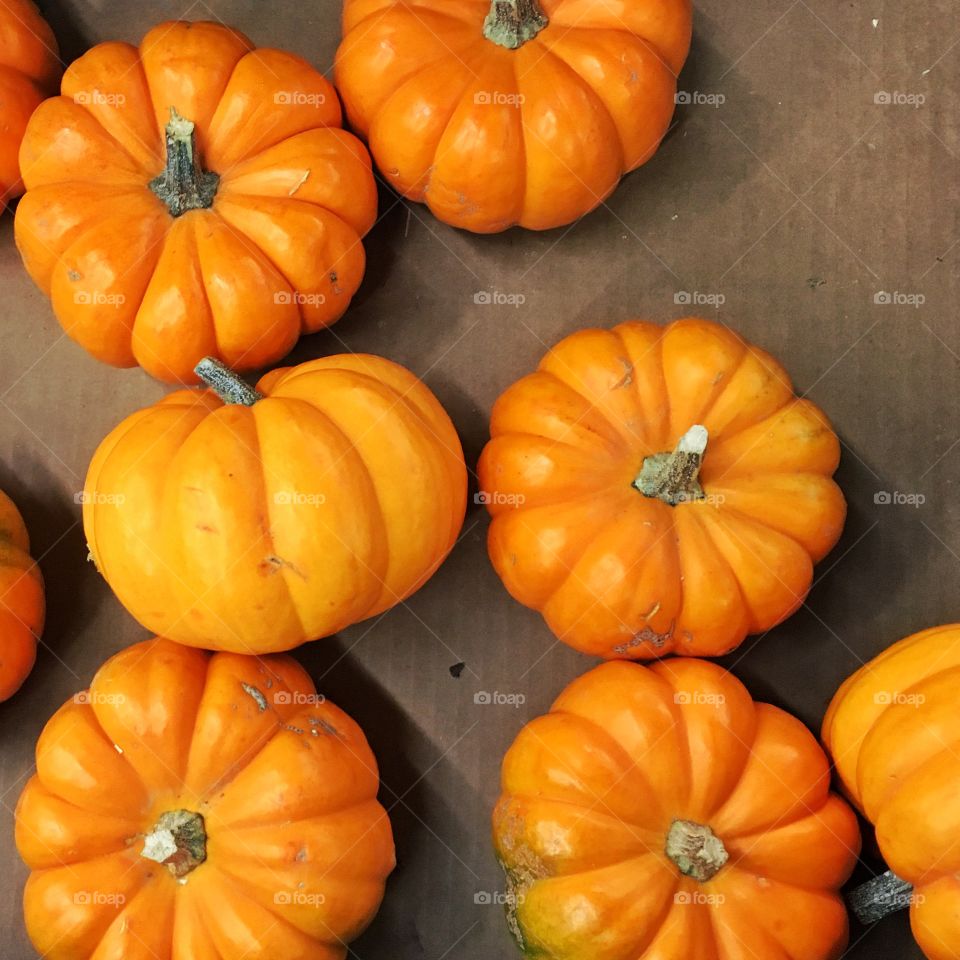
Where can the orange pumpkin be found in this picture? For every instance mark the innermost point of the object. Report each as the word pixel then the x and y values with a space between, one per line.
pixel 659 490
pixel 22 605
pixel 193 197
pixel 284 514
pixel 893 730
pixel 503 112
pixel 658 812
pixel 202 807
pixel 29 71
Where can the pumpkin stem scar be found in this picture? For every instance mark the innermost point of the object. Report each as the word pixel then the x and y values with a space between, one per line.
pixel 184 185
pixel 225 383
pixel 511 23
pixel 695 849
pixel 672 477
pixel 874 899
pixel 178 840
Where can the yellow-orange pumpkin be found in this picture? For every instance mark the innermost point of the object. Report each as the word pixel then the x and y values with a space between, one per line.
pixel 502 112
pixel 659 490
pixel 324 497
pixel 659 813
pixel 193 196
pixel 29 71
pixel 198 807
pixel 22 605
pixel 893 730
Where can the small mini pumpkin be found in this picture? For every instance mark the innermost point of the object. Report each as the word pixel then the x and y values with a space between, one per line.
pixel 893 730
pixel 659 490
pixel 502 112
pixel 270 517
pixel 194 196
pixel 22 605
pixel 29 71
pixel 202 807
pixel 658 812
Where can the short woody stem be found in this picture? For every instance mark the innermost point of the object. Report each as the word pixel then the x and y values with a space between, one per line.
pixel 511 23
pixel 178 841
pixel 184 185
pixel 876 898
pixel 673 477
pixel 225 383
pixel 695 849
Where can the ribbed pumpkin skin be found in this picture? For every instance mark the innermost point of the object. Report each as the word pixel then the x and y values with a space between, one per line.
pixel 589 793
pixel 29 71
pixel 297 846
pixel 490 137
pixel 255 529
pixel 893 731
pixel 618 574
pixel 277 254
pixel 22 603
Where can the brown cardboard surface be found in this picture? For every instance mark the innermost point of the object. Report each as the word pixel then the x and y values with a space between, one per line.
pixel 796 200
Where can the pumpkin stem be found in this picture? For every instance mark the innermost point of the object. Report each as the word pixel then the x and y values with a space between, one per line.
pixel 874 899
pixel 511 23
pixel 225 383
pixel 184 185
pixel 178 840
pixel 696 850
pixel 672 477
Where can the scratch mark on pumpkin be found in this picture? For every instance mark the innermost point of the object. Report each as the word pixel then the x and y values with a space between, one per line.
pixel 646 635
pixel 272 564
pixel 206 528
pixel 298 184
pixel 654 610
pixel 324 725
pixel 627 377
pixel 258 697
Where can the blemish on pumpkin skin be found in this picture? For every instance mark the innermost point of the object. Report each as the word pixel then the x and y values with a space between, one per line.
pixel 74 275
pixel 524 870
pixel 272 564
pixel 206 528
pixel 627 377
pixel 324 725
pixel 258 697
pixel 298 184
pixel 646 635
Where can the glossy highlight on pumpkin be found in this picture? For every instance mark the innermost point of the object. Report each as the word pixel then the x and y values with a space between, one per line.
pixel 257 528
pixel 29 71
pixel 267 249
pixel 22 603
pixel 585 528
pixel 596 792
pixel 534 128
pixel 893 731
pixel 289 849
